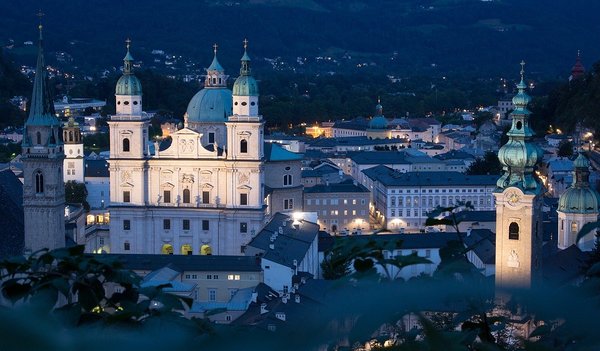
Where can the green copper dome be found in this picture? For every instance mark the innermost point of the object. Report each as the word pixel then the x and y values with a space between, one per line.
pixel 580 197
pixel 581 162
pixel 128 84
pixel 245 86
pixel 579 200
pixel 378 122
pixel 210 105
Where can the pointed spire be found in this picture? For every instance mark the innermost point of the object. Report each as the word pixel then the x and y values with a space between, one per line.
pixel 41 111
pixel 578 69
pixel 521 100
pixel 128 59
pixel 215 65
pixel 245 70
pixel 378 107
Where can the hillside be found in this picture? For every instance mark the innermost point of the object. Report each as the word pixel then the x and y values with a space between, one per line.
pixel 425 36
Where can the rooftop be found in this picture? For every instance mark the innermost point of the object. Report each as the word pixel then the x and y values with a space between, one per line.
pixel 180 263
pixel 390 177
pixel 347 186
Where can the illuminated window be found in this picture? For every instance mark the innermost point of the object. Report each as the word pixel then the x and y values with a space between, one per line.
pixel 573 227
pixel 513 231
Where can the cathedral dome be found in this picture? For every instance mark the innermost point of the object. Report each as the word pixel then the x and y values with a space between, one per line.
pixel 378 122
pixel 579 200
pixel 245 86
pixel 210 105
pixel 128 84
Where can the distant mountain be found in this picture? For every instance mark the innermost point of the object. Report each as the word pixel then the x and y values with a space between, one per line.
pixel 480 37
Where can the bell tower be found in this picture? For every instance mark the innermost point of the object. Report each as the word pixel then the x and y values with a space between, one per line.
pixel 518 203
pixel 43 155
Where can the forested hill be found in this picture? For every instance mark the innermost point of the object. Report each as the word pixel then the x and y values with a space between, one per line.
pixel 480 37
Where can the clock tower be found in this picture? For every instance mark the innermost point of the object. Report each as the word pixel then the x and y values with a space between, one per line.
pixel 518 203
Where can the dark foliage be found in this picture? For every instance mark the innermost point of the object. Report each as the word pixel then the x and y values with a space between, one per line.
pixel 489 164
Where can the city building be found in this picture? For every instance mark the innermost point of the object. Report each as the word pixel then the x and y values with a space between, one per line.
pixel 200 193
pixel 578 206
pixel 287 246
pixel 403 201
pixel 68 106
pixel 343 208
pixel 283 179
pixel 43 160
pixel 73 167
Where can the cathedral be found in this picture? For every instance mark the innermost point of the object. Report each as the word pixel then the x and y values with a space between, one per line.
pixel 204 191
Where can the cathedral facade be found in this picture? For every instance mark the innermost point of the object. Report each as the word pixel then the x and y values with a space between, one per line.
pixel 202 193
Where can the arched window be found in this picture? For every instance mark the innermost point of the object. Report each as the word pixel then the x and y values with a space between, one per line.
pixel 513 231
pixel 70 135
pixel 186 249
pixel 167 249
pixel 573 227
pixel 126 145
pixel 214 80
pixel 243 146
pixel 186 196
pixel 287 179
pixel 39 182
pixel 38 137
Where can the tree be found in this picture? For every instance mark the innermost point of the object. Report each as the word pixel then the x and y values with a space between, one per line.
pixel 489 164
pixel 565 149
pixel 76 193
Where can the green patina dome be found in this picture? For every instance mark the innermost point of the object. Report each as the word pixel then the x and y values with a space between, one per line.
pixel 521 99
pixel 378 122
pixel 581 162
pixel 128 84
pixel 518 154
pixel 245 86
pixel 210 105
pixel 579 200
pixel 580 197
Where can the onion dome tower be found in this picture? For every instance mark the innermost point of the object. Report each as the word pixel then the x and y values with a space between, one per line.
pixel 208 110
pixel 43 155
pixel 577 206
pixel 518 203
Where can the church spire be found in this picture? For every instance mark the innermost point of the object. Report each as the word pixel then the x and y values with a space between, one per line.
pixel 41 111
pixel 245 70
pixel 578 70
pixel 128 59
pixel 519 155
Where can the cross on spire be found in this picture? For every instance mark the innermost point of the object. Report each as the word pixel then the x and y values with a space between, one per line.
pixel 522 69
pixel 128 43
pixel 215 47
pixel 245 44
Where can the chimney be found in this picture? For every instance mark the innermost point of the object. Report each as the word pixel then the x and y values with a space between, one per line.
pixel 297 298
pixel 263 308
pixel 272 246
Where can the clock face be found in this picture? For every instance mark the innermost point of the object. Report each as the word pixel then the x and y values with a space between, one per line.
pixel 513 198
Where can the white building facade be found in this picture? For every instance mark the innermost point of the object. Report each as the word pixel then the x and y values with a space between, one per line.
pixel 202 194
